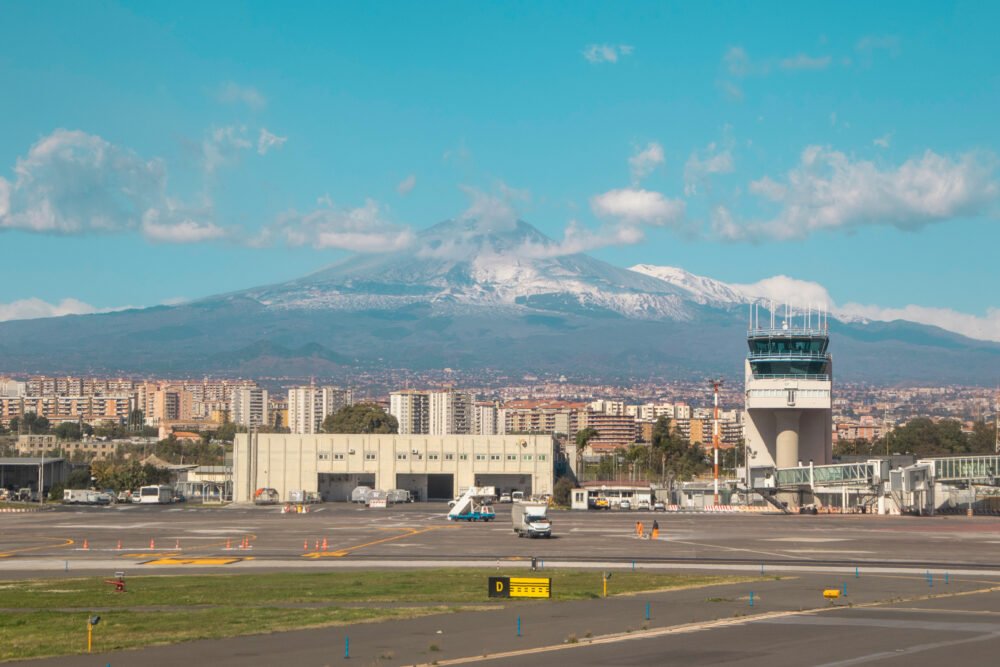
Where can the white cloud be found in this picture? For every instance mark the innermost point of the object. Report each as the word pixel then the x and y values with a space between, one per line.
pixel 783 289
pixel 407 184
pixel 266 141
pixel 737 61
pixel 638 207
pixel 973 326
pixel 871 43
pixel 577 239
pixel 884 140
pixel 803 61
pixel 492 213
pixel 828 190
pixel 234 93
pixel 700 165
pixel 222 146
pixel 800 293
pixel 33 308
pixel 606 53
pixel 71 182
pixel 361 229
pixel 176 227
pixel 645 161
pixel 731 91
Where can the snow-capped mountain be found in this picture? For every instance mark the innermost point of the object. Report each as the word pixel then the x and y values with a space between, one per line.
pixel 471 296
pixel 458 265
pixel 697 288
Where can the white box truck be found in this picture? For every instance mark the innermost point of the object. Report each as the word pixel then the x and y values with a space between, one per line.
pixel 530 519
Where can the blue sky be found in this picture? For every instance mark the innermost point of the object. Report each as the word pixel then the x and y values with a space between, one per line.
pixel 160 151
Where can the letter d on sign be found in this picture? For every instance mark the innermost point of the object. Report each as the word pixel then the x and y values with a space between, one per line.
pixel 499 587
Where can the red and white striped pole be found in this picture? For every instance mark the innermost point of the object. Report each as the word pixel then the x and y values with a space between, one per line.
pixel 715 438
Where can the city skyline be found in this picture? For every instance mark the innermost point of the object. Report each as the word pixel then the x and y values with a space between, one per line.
pixel 853 152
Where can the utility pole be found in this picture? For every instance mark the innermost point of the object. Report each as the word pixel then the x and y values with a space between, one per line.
pixel 715 438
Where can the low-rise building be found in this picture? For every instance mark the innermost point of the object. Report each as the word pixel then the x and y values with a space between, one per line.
pixel 430 467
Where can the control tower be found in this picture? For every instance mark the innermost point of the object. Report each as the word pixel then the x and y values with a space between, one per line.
pixel 789 381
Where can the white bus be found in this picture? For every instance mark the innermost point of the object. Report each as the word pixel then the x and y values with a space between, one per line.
pixel 157 494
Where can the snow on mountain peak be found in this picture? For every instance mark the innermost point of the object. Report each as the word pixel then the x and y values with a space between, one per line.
pixel 697 288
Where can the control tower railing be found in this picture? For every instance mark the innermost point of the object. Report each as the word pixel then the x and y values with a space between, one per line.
pixel 791 332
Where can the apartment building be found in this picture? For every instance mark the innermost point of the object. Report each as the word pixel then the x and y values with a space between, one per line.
pixel 249 406
pixel 309 405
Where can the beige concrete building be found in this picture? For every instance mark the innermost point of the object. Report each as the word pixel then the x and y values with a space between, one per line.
pixel 430 467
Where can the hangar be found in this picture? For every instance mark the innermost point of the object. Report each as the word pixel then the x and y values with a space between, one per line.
pixel 430 467
pixel 32 473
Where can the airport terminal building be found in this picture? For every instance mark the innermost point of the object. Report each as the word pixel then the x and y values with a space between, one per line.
pixel 430 467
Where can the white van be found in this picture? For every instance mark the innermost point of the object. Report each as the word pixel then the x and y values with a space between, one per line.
pixel 157 494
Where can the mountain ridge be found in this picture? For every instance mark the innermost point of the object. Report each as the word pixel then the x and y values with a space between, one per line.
pixel 471 296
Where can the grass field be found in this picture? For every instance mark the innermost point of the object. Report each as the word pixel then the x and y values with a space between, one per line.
pixel 48 617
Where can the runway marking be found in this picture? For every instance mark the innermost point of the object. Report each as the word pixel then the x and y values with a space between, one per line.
pixel 872 657
pixel 720 623
pixel 65 542
pixel 784 554
pixel 340 553
pixel 807 539
pixel 198 561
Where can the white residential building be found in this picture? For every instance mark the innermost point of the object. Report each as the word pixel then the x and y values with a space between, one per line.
pixel 412 410
pixel 308 406
pixel 249 406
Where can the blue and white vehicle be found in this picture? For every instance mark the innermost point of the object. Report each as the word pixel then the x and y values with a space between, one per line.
pixel 476 504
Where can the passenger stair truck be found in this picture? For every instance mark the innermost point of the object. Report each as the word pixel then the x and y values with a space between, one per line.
pixel 530 519
pixel 474 505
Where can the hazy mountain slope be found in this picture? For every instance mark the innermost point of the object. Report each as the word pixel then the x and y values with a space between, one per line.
pixel 469 298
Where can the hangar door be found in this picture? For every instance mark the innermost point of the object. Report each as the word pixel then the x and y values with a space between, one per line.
pixel 440 487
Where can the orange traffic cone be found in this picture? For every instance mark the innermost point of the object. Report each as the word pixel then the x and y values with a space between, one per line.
pixel 152 543
pixel 177 545
pixel 305 545
pixel 317 545
pixel 324 544
pixel 229 544
pixel 86 547
pixel 119 545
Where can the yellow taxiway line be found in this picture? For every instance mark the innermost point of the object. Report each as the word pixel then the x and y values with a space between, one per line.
pixel 340 553
pixel 65 543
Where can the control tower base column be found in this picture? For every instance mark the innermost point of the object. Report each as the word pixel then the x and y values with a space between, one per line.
pixel 787 442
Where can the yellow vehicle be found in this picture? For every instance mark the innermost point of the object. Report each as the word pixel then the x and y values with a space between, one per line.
pixel 602 503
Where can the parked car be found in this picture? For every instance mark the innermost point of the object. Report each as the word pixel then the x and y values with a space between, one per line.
pixel 642 504
pixel 625 505
pixel 505 498
pixel 659 506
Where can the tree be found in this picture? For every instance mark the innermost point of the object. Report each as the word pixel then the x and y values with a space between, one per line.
pixel 32 423
pixel 583 436
pixel 68 431
pixel 678 457
pixel 360 418
pixel 561 491
pixel 227 432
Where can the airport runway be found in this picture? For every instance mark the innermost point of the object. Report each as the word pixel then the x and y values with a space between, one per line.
pixel 893 615
pixel 181 537
pixel 885 620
